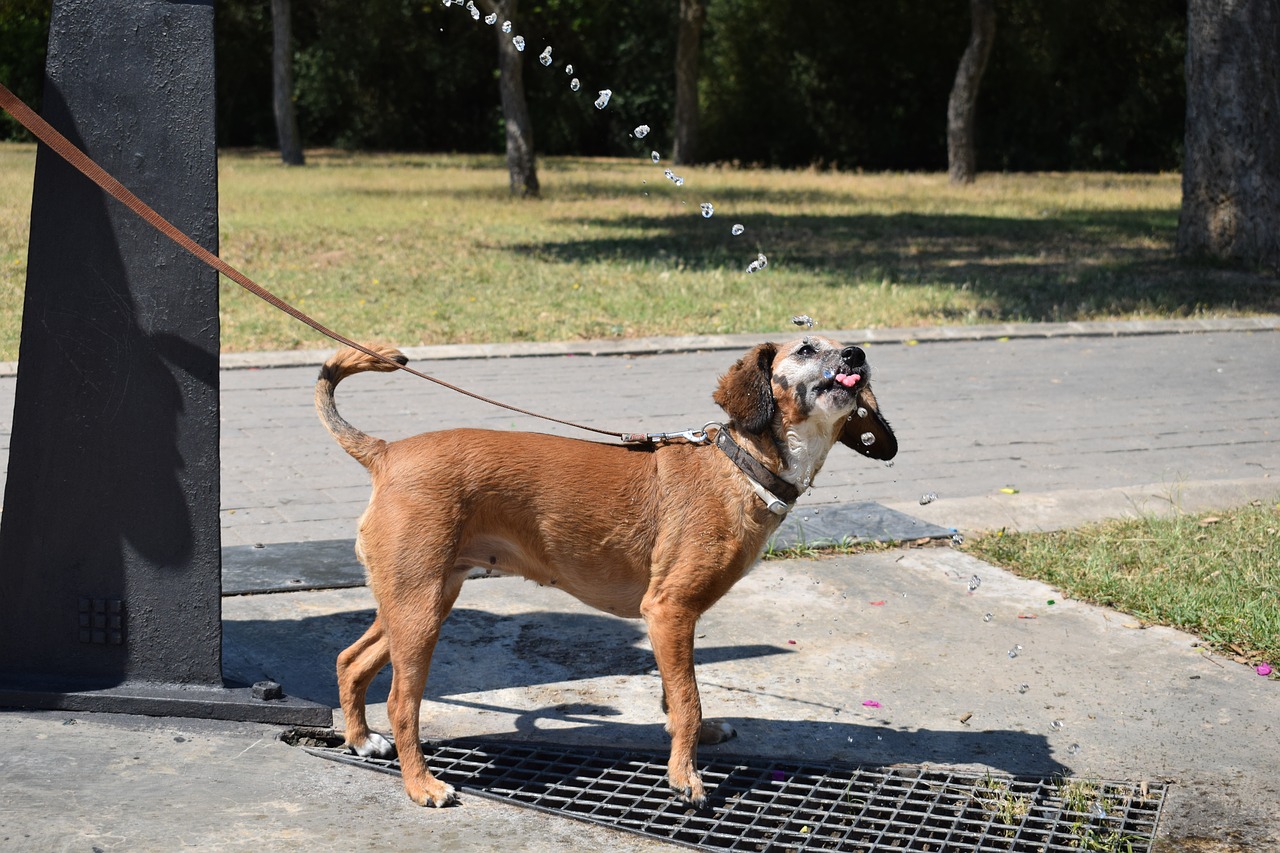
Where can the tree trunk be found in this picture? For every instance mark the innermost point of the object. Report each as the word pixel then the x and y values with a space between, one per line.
pixel 521 162
pixel 962 154
pixel 282 84
pixel 692 15
pixel 1231 168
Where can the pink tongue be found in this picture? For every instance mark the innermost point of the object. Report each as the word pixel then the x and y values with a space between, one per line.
pixel 848 380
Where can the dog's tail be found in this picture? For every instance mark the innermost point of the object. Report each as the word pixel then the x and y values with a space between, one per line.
pixel 344 363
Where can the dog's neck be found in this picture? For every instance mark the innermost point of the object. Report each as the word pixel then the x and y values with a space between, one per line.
pixel 796 458
pixel 804 450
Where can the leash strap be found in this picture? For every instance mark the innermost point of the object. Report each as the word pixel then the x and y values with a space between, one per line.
pixel 64 148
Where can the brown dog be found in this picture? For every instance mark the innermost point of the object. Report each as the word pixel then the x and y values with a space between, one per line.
pixel 653 531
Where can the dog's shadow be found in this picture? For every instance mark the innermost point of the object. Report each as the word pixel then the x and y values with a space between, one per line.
pixel 481 653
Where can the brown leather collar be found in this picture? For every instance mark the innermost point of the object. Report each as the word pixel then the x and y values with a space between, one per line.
pixel 785 492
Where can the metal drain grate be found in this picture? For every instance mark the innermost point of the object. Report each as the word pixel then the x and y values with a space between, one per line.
pixel 759 805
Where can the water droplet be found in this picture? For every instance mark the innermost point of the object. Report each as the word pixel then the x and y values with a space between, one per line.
pixel 1022 688
pixel 475 13
pixel 867 439
pixel 603 100
pixel 975 581
pixel 1056 725
pixel 1013 653
pixel 928 497
pixel 448 3
pixel 491 19
pixel 707 209
pixel 736 230
pixel 506 26
pixel 888 463
pixel 1074 749
pixel 655 156
pixel 642 131
pixel 574 84
pixel 862 413
pixel 807 321
pixel 986 617
pixel 545 56
pixel 1098 812
pixel 518 41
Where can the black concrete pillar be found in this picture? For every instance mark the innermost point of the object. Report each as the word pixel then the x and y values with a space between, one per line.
pixel 110 553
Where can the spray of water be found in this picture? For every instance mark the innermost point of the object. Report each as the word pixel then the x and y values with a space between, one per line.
pixel 603 97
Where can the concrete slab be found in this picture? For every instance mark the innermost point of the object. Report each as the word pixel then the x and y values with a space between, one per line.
pixel 792 653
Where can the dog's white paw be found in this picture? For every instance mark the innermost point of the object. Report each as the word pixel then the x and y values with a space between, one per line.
pixel 714 731
pixel 375 746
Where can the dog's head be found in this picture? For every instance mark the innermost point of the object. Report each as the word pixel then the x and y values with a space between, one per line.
pixel 811 386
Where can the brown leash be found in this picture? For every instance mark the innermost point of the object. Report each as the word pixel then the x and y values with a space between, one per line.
pixel 46 133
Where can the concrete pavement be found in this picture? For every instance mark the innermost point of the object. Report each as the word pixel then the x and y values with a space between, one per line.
pixel 1084 421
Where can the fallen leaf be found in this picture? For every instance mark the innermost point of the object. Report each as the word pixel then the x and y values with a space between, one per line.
pixel 1009 491
pixel 1209 519
pixel 966 716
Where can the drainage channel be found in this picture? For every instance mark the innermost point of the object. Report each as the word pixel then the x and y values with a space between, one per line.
pixel 768 806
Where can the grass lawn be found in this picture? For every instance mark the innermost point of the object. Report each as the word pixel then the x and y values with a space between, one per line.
pixel 414 249
pixel 1216 575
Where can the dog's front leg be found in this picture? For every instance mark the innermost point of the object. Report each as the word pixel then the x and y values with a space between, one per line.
pixel 671 631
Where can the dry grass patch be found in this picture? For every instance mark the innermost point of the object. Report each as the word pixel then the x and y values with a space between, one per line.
pixel 431 249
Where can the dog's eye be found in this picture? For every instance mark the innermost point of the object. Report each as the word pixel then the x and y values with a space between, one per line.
pixel 805 350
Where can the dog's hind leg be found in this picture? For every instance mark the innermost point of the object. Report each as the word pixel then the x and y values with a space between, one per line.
pixel 412 616
pixel 357 666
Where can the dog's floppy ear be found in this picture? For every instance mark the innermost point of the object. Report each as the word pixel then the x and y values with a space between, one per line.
pixel 867 421
pixel 746 391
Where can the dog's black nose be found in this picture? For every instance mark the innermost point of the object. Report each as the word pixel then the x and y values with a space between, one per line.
pixel 853 356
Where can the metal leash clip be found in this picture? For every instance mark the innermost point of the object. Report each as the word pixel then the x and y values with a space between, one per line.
pixel 692 436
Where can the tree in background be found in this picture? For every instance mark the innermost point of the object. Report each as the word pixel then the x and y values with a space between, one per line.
pixel 521 163
pixel 688 33
pixel 962 108
pixel 1090 84
pixel 282 84
pixel 1231 173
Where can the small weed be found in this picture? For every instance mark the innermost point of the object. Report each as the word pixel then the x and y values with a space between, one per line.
pixel 1091 805
pixel 996 797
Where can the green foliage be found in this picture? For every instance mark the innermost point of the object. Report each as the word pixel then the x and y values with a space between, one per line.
pixel 1090 84
pixel 24 25
pixel 1083 85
